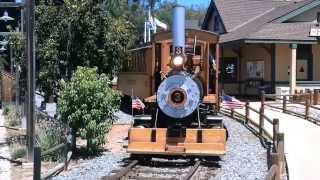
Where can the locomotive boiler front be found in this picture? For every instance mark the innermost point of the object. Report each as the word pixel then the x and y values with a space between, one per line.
pixel 179 95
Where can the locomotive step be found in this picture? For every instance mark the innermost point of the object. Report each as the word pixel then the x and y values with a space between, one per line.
pixel 175 148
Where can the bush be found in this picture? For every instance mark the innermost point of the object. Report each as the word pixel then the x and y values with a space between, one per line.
pixel 87 104
pixel 6 110
pixel 17 151
pixel 12 116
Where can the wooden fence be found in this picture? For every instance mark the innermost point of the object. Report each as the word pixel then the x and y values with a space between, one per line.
pixel 307 100
pixel 314 96
pixel 7 86
pixel 277 165
pixel 38 155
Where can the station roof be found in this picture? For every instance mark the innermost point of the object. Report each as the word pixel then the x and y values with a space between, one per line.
pixel 286 32
pixel 261 19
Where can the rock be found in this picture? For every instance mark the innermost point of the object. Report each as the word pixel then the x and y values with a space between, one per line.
pixel 245 159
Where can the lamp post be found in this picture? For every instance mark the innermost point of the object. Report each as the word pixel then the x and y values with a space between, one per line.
pixel 6 17
pixel 2 49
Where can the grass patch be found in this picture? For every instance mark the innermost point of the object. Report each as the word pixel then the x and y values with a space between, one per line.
pixel 49 135
pixel 17 151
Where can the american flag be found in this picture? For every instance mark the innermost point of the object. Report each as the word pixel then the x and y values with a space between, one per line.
pixel 231 102
pixel 137 103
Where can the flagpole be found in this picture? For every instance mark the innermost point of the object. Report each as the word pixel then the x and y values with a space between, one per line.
pixel 131 103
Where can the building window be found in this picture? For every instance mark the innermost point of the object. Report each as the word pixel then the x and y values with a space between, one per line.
pixel 229 68
pixel 216 23
pixel 304 62
pixel 255 69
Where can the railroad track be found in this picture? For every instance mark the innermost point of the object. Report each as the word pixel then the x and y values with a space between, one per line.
pixel 155 170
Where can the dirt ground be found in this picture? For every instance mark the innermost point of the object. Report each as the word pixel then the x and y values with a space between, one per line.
pixel 116 138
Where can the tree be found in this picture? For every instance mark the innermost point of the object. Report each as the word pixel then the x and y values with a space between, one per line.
pixel 164 8
pixel 80 33
pixel 196 12
pixel 87 104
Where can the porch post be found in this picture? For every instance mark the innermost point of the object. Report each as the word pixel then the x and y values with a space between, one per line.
pixel 293 67
pixel 273 68
pixel 217 73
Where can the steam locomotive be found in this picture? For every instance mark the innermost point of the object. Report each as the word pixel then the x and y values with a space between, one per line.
pixel 181 118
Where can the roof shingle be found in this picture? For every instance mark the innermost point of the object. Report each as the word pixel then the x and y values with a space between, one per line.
pixel 234 13
pixel 284 31
pixel 251 25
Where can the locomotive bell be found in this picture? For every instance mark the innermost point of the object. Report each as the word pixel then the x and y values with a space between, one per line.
pixel 178 96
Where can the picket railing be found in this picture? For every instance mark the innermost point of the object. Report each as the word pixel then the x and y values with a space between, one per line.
pixel 37 175
pixel 39 154
pixel 307 100
pixel 277 165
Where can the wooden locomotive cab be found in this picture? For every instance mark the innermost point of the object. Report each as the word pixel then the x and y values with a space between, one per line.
pixel 182 99
pixel 148 64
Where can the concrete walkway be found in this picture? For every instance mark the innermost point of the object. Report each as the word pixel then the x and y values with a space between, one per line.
pixel 4 152
pixel 302 142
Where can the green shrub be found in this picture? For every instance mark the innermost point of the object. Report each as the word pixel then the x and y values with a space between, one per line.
pixel 12 116
pixel 87 104
pixel 14 119
pixel 17 151
pixel 6 110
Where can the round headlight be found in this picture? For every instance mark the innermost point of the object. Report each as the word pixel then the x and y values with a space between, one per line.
pixel 178 61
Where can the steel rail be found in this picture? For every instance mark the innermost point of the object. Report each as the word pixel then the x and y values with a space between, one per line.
pixel 192 171
pixel 124 171
pixel 127 169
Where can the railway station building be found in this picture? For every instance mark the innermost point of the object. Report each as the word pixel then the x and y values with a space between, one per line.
pixel 267 44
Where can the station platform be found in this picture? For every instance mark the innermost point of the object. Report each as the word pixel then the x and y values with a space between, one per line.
pixel 302 142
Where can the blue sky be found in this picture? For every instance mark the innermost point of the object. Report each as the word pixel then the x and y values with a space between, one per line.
pixel 195 2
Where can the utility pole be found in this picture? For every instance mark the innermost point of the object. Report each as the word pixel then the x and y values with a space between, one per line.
pixel 30 17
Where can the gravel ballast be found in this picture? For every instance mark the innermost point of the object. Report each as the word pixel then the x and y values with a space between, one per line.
pixel 95 168
pixel 245 159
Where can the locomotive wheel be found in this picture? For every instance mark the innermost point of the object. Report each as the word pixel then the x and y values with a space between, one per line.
pixel 227 133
